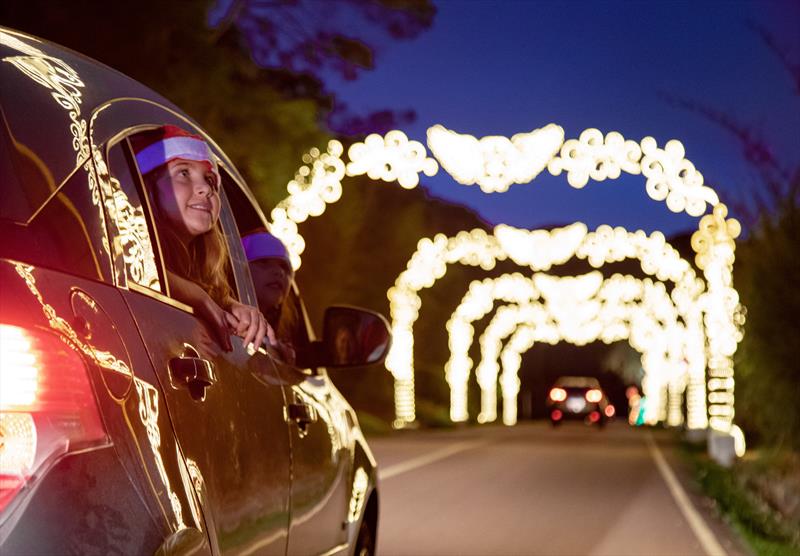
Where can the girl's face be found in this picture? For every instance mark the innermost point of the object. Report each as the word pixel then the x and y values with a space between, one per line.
pixel 271 278
pixel 188 192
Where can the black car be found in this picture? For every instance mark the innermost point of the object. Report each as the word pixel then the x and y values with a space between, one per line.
pixel 578 398
pixel 119 434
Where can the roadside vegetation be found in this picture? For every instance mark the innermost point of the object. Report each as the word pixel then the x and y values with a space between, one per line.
pixel 760 494
pixel 759 497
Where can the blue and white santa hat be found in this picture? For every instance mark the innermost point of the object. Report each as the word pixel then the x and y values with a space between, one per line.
pixel 260 244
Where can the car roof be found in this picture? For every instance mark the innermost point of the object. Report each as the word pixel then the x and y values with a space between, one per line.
pixel 49 97
pixel 578 382
pixel 106 82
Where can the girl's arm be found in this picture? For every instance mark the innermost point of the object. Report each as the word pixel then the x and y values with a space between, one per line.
pixel 187 291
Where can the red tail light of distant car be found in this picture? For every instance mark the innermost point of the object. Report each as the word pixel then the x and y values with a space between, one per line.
pixel 610 411
pixel 47 405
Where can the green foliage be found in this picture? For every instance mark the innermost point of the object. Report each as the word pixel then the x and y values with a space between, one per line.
pixel 355 251
pixel 767 273
pixel 168 47
pixel 740 495
pixel 372 425
pixel 434 415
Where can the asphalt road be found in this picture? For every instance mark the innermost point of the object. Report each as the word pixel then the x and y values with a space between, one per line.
pixel 531 489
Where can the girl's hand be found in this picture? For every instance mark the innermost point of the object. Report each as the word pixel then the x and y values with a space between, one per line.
pixel 249 323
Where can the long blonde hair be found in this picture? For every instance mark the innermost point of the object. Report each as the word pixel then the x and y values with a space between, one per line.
pixel 286 326
pixel 205 260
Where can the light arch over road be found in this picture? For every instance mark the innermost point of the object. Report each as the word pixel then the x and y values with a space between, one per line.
pixel 495 163
pixel 577 310
pixel 620 308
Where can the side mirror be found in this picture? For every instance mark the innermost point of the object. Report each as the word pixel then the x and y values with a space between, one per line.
pixel 352 337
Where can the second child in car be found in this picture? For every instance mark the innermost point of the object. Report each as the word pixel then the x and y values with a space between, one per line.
pixel 272 272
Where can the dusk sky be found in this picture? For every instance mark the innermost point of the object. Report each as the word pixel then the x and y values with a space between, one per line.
pixel 500 68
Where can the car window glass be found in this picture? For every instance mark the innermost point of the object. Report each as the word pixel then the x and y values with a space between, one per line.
pixel 23 180
pixel 68 234
pixel 239 272
pixel 42 98
pixel 292 327
pixel 247 217
pixel 134 238
pixel 295 331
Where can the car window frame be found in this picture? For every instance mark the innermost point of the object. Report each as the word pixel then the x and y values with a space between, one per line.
pixel 239 286
pixel 124 116
pixel 303 319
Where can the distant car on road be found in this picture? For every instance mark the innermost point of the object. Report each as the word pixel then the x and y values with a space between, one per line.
pixel 578 397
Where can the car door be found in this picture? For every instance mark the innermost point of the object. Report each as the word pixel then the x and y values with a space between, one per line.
pixel 227 409
pixel 321 452
pixel 322 445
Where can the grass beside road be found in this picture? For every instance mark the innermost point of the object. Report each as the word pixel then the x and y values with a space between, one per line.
pixel 759 496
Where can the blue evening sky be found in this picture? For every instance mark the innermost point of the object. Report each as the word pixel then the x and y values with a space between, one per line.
pixel 504 67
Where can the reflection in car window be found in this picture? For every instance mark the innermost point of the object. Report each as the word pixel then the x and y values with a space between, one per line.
pixel 42 97
pixel 294 331
pixel 67 234
pixel 26 182
pixel 133 239
pixel 291 327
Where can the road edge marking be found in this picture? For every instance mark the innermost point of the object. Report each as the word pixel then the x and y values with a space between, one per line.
pixel 706 537
pixel 427 459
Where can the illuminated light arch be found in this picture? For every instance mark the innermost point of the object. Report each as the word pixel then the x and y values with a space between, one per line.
pixel 494 162
pixel 670 177
pixel 522 291
pixel 539 250
pixel 318 182
pixel 622 308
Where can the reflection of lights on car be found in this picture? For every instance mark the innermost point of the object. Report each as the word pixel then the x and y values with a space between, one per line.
pixel 594 395
pixel 558 395
pixel 610 411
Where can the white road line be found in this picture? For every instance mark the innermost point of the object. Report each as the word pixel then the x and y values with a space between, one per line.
pixel 707 539
pixel 414 463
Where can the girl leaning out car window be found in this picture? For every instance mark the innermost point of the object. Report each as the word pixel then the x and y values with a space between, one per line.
pixel 183 182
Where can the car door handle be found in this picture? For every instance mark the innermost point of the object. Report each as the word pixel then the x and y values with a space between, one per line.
pixel 192 371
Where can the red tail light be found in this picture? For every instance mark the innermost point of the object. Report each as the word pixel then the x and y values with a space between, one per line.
pixel 556 415
pixel 610 411
pixel 558 394
pixel 47 406
pixel 594 416
pixel 594 395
